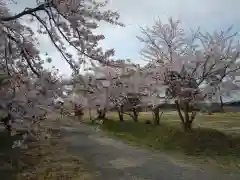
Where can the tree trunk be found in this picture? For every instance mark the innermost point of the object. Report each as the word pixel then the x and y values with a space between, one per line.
pixel 187 126
pixel 6 122
pixel 156 117
pixel 90 114
pixel 179 111
pixel 221 104
pixel 186 119
pixel 102 114
pixel 120 114
pixel 135 115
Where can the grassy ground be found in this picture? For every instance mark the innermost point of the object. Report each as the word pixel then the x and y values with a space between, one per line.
pixel 210 146
pixel 226 122
pixel 8 157
pixel 215 141
pixel 46 159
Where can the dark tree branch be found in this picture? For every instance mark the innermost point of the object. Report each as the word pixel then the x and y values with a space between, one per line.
pixel 179 111
pixel 6 60
pixel 27 11
pixel 79 36
pixel 53 41
pixel 24 53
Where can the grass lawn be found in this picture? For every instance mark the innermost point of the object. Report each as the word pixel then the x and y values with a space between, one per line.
pixel 215 141
pixel 226 122
pixel 46 159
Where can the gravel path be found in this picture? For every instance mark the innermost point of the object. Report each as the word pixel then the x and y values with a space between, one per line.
pixel 118 161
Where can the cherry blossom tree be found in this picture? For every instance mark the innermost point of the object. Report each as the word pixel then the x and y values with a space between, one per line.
pixel 225 90
pixel 112 87
pixel 154 93
pixel 69 22
pixel 92 91
pixel 28 90
pixel 129 90
pixel 26 101
pixel 190 68
pixel 109 89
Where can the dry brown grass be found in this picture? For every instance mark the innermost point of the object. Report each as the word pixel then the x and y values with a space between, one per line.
pixel 43 160
pixel 49 159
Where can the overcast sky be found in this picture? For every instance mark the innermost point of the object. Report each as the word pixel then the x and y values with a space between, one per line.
pixel 208 14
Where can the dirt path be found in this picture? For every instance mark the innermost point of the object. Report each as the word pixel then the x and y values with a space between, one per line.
pixel 119 161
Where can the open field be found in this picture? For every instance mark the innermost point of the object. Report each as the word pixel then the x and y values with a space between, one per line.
pixel 226 122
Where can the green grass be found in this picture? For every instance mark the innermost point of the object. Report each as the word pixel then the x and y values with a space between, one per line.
pixel 211 143
pixel 226 122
